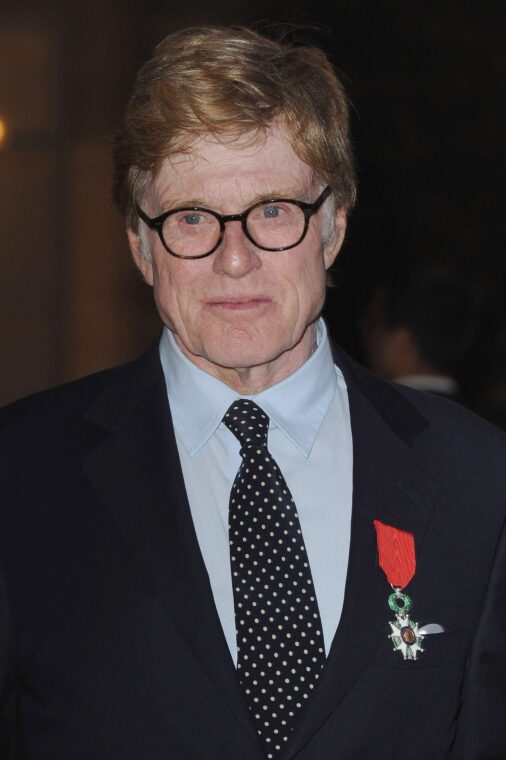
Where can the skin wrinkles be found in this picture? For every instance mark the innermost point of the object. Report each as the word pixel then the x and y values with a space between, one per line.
pixel 244 315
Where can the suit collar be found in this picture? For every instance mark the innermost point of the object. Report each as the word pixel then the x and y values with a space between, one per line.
pixel 120 397
pixel 404 420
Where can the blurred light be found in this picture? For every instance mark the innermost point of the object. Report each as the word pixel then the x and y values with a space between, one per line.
pixel 3 132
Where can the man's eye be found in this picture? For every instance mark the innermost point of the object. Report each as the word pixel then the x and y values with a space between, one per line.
pixel 271 212
pixel 192 219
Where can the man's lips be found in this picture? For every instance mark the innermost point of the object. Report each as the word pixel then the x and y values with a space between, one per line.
pixel 239 303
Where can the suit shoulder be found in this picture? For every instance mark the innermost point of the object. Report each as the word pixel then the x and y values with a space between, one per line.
pixel 443 432
pixel 416 415
pixel 47 414
pixel 468 450
pixel 447 418
pixel 67 400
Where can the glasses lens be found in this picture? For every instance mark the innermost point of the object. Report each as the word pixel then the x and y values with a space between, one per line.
pixel 276 225
pixel 191 233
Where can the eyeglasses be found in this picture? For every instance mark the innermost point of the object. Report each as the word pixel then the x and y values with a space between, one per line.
pixel 192 232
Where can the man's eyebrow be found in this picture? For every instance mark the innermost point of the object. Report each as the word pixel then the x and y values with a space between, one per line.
pixel 181 203
pixel 291 194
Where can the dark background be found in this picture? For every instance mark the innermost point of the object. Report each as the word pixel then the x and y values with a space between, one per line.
pixel 426 82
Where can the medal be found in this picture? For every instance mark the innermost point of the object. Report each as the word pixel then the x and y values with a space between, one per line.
pixel 405 635
pixel 396 555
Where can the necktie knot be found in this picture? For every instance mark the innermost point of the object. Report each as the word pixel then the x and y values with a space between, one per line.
pixel 247 422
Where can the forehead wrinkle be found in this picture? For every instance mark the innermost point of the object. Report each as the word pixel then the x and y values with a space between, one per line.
pixel 244 197
pixel 231 177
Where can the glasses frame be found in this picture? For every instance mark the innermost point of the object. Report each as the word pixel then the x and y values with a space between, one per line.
pixel 309 210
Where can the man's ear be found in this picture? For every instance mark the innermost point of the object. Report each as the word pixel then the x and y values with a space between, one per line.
pixel 334 245
pixel 144 265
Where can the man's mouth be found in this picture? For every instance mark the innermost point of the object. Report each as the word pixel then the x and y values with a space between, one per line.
pixel 239 303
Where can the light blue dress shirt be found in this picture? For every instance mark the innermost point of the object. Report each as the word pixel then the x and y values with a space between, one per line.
pixel 309 437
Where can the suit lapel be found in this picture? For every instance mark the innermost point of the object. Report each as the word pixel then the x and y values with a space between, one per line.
pixel 389 484
pixel 136 473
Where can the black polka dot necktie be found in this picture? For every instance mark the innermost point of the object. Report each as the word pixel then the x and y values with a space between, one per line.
pixel 279 634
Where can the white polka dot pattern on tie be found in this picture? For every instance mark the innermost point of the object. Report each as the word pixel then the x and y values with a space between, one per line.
pixel 279 635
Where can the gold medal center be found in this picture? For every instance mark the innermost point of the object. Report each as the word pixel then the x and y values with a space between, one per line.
pixel 408 635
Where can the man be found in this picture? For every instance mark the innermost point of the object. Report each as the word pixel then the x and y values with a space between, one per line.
pixel 419 329
pixel 189 543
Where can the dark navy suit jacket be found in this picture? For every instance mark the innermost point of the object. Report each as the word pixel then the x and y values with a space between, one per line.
pixel 110 643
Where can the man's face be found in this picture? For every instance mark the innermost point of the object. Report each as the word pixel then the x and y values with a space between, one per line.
pixel 240 312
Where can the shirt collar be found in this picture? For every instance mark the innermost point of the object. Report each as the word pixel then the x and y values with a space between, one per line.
pixel 297 405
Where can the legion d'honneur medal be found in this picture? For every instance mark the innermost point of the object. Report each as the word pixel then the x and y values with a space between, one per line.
pixel 396 555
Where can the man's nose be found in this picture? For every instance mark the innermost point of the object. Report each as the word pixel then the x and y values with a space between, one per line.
pixel 236 256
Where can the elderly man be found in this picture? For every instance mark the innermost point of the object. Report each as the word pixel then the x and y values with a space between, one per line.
pixel 242 545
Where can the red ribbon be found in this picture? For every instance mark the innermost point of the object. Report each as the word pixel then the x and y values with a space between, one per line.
pixel 396 551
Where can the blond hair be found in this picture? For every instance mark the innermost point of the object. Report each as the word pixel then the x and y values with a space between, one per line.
pixel 231 81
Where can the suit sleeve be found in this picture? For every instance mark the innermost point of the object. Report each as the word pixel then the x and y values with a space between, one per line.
pixel 481 726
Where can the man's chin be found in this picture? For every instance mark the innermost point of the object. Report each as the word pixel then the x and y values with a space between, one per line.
pixel 247 351
pixel 239 360
pixel 232 349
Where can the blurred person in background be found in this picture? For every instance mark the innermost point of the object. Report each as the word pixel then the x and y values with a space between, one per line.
pixel 212 552
pixel 420 328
